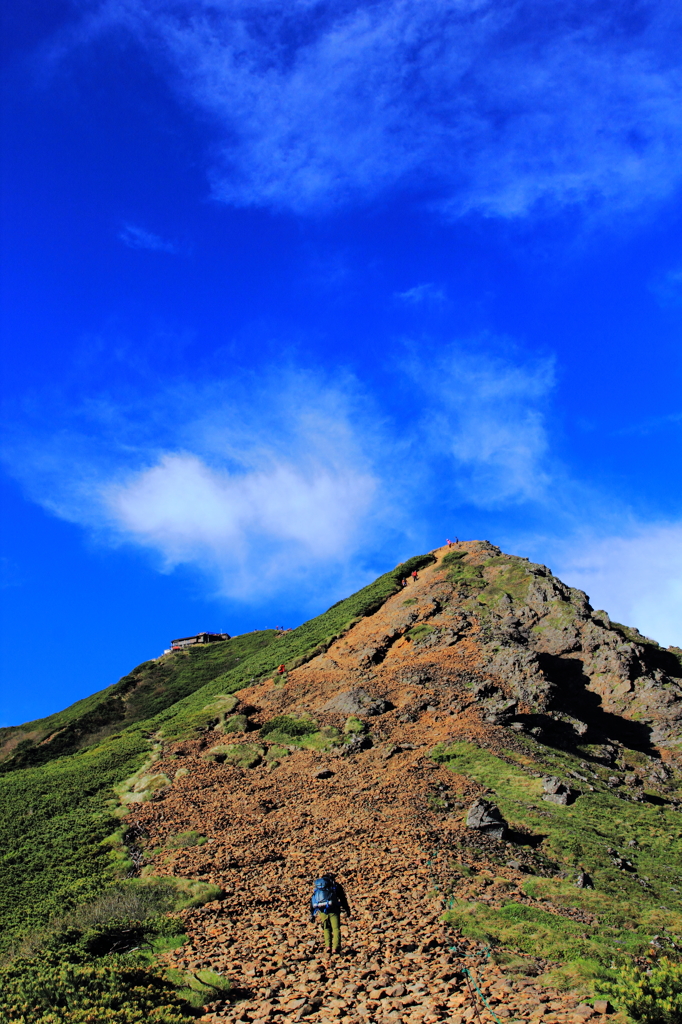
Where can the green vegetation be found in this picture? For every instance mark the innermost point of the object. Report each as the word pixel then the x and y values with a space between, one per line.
pixel 70 987
pixel 239 755
pixel 97 962
pixel 183 840
pixel 55 820
pixel 652 995
pixel 150 688
pixel 419 632
pixel 299 732
pixel 199 988
pixel 288 726
pixel 235 723
pixel 529 930
pixel 461 572
pixel 354 726
pixel 629 907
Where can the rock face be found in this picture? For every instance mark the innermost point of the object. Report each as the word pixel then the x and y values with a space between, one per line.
pixel 529 649
pixel 485 817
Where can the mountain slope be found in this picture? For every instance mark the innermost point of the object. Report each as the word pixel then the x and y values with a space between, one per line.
pixel 448 686
pixel 395 710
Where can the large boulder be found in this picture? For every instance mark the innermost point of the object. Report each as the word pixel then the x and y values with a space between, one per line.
pixel 555 791
pixel 486 817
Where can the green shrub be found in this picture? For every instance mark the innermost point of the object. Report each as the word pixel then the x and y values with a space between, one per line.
pixel 354 726
pixel 235 723
pixel 200 987
pixel 240 755
pixel 419 632
pixel 185 839
pixel 651 995
pixel 287 725
pixel 73 988
pixel 325 739
pixel 276 752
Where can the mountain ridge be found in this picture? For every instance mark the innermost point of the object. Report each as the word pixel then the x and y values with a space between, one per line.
pixel 478 679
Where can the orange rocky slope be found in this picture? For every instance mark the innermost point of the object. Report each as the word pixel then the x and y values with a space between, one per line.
pixel 369 815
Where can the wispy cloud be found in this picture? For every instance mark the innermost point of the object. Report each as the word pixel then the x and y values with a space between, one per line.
pixel 495 106
pixel 294 482
pixel 260 484
pixel 487 413
pixel 138 238
pixel 422 294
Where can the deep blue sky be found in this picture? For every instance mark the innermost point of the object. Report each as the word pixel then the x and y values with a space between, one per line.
pixel 293 291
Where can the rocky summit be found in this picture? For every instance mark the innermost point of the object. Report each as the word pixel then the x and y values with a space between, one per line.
pixel 489 766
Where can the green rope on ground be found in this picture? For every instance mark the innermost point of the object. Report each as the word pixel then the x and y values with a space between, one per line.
pixel 485 1001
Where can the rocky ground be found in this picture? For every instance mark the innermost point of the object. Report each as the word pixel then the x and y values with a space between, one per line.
pixel 418 672
pixel 273 831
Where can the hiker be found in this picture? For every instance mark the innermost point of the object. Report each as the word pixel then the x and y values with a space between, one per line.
pixel 448 542
pixel 414 575
pixel 403 582
pixel 281 670
pixel 327 902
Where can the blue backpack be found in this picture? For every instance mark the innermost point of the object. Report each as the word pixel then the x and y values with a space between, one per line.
pixel 324 896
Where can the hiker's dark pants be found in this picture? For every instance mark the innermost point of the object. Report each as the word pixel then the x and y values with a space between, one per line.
pixel 331 928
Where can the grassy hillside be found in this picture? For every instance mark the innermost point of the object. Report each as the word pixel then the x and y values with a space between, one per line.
pixel 148 689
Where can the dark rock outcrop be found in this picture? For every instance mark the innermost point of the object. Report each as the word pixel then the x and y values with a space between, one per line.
pixel 485 817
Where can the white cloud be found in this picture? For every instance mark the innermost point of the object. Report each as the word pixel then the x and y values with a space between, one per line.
pixel 496 106
pixel 636 577
pixel 250 527
pixel 138 238
pixel 261 483
pixel 486 412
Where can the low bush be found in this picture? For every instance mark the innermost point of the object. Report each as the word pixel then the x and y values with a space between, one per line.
pixel 651 995
pixel 239 755
pixel 199 987
pixel 235 723
pixel 71 987
pixel 287 725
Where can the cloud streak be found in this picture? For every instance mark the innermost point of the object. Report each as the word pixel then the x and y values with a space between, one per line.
pixel 493 106
pixel 486 413
pixel 138 238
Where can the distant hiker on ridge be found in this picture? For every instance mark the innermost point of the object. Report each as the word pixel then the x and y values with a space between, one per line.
pixel 327 901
